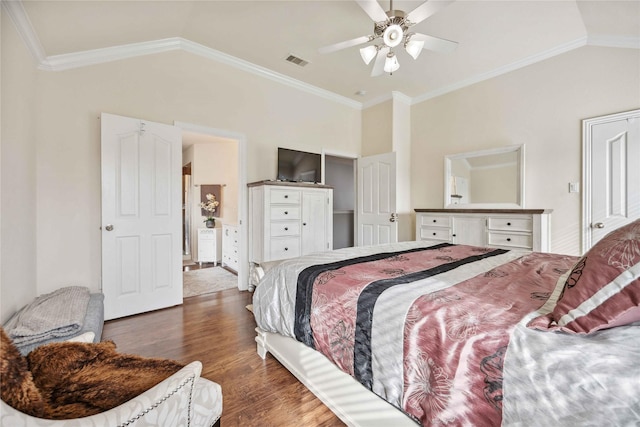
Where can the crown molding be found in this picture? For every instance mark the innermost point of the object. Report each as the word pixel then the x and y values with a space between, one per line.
pixel 86 58
pixel 401 97
pixel 614 41
pixel 68 61
pixel 98 56
pixel 18 15
pixel 529 60
pixel 23 25
pixel 216 55
pixel 378 100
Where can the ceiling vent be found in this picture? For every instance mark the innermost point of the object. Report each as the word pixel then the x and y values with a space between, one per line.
pixel 295 60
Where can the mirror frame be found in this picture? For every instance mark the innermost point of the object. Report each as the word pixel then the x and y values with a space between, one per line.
pixel 518 149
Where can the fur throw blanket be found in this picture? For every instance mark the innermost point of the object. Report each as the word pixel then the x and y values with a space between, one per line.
pixel 79 379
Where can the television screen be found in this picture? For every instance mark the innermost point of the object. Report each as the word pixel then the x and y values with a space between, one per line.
pixel 298 166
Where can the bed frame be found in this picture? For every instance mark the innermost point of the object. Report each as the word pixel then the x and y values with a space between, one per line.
pixel 344 396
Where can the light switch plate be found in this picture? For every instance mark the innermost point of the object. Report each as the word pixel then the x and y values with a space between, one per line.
pixel 574 187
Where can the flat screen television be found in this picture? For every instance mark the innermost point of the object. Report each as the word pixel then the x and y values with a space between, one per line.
pixel 298 166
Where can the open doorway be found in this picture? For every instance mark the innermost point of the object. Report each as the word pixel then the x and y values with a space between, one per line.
pixel 214 159
pixel 186 213
pixel 340 173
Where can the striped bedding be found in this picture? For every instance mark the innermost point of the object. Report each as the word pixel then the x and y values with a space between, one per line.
pixel 427 328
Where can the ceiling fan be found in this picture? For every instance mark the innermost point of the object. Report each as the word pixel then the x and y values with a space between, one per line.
pixel 393 27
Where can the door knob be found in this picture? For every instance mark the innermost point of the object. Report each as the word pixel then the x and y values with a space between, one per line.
pixel 598 225
pixel 109 227
pixel 394 217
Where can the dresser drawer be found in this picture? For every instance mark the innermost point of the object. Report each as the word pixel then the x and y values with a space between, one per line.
pixel 285 197
pixel 285 228
pixel 435 221
pixel 524 241
pixel 441 234
pixel 510 224
pixel 284 248
pixel 233 264
pixel 285 212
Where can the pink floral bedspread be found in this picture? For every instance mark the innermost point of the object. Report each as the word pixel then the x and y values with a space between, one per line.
pixel 453 339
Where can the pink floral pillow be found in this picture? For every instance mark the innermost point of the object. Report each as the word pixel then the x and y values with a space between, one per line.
pixel 603 289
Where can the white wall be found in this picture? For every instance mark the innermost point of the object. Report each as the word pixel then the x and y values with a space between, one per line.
pixel 377 129
pixel 541 106
pixel 214 163
pixel 50 148
pixel 162 88
pixel 18 202
pixel 401 119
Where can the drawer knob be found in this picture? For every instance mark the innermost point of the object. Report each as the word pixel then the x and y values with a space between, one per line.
pixel 286 249
pixel 453 235
pixel 434 234
pixel 508 239
pixel 304 223
pixel 508 223
pixel 286 196
pixel 286 229
pixel 286 213
pixel 434 220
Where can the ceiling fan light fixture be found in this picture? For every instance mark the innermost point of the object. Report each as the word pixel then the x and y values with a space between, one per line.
pixel 391 64
pixel 414 47
pixel 368 53
pixel 392 35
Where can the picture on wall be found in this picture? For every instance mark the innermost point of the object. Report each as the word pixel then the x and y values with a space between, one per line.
pixel 216 190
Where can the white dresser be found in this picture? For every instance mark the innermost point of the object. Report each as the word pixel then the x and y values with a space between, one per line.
pixel 209 245
pixel 503 228
pixel 230 246
pixel 287 220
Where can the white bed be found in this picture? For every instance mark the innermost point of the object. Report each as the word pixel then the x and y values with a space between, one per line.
pixel 599 382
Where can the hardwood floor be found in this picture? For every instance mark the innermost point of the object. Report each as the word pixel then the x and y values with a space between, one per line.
pixel 218 330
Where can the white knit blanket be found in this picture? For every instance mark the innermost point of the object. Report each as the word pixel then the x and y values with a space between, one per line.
pixel 58 314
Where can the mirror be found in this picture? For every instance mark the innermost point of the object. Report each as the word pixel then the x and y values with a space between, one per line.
pixel 485 179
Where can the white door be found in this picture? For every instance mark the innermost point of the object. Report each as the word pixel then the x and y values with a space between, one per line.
pixel 612 174
pixel 141 216
pixel 316 221
pixel 376 194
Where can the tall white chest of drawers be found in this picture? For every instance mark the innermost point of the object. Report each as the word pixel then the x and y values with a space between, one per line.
pixel 504 228
pixel 230 246
pixel 287 220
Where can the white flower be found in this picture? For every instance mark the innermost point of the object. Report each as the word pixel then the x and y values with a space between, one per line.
pixel 210 205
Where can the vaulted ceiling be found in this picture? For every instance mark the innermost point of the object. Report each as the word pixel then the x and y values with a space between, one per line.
pixel 494 37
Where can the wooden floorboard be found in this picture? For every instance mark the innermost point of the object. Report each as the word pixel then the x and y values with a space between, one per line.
pixel 218 330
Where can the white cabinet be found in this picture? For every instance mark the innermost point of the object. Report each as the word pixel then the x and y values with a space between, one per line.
pixel 287 220
pixel 230 246
pixel 503 228
pixel 209 245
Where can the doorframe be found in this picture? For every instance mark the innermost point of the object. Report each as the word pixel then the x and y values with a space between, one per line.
pixel 587 136
pixel 243 265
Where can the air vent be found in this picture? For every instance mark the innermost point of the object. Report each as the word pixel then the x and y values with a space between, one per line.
pixel 295 60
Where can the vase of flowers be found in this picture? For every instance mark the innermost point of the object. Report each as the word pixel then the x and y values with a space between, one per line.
pixel 210 207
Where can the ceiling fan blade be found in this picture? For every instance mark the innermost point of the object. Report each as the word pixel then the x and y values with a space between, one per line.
pixel 378 66
pixel 373 9
pixel 345 44
pixel 426 9
pixel 436 43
